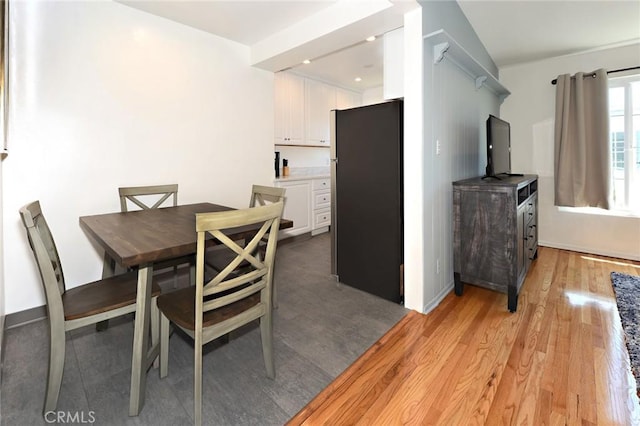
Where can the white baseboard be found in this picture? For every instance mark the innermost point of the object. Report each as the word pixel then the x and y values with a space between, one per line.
pixel 436 300
pixel 589 250
pixel 320 231
pixel 27 316
pixel 1 345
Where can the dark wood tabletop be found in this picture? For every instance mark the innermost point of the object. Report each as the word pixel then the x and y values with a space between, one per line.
pixel 139 237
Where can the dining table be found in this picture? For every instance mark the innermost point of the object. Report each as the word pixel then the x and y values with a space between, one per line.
pixel 137 240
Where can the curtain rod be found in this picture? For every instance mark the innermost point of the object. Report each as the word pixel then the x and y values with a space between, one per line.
pixel 555 80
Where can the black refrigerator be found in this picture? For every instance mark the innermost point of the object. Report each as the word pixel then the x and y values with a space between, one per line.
pixel 366 199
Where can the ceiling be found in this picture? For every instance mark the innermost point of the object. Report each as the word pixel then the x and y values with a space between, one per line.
pixel 512 31
pixel 523 31
pixel 246 22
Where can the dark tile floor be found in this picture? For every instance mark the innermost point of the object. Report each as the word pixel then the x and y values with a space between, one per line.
pixel 320 328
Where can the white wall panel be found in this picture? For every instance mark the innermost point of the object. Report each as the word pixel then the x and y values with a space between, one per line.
pixel 459 129
pixel 454 114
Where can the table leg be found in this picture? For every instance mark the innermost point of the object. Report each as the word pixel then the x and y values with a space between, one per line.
pixel 108 266
pixel 140 340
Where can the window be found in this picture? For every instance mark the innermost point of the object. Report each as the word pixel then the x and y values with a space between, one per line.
pixel 624 137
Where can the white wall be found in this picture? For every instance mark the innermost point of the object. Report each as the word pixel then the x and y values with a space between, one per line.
pixel 413 155
pixel 305 156
pixel 530 109
pixel 393 64
pixel 105 96
pixel 373 96
pixel 2 292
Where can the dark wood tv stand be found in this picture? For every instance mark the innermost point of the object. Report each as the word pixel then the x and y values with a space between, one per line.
pixel 495 233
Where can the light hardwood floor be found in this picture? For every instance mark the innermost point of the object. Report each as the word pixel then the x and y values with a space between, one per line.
pixel 560 359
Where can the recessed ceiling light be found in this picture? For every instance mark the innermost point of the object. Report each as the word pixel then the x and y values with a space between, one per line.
pixel 371 38
pixel 306 61
pixel 358 79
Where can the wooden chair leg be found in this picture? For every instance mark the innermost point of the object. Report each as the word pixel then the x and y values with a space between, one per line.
pixel 197 382
pixel 164 345
pixel 175 276
pixel 56 367
pixel 266 332
pixel 192 273
pixel 155 328
pixel 274 287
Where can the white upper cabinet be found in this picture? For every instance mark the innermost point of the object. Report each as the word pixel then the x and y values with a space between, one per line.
pixel 302 109
pixel 289 109
pixel 320 99
pixel 346 99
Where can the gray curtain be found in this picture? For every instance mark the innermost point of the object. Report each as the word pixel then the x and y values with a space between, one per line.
pixel 582 158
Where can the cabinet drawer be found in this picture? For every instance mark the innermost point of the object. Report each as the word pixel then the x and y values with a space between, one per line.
pixel 321 184
pixel 531 239
pixel 322 218
pixel 530 209
pixel 321 199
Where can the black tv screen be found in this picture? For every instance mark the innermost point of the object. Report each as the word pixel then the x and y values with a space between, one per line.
pixel 498 146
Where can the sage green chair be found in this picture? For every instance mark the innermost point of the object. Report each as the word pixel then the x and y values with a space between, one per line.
pixel 69 309
pixel 233 297
pixel 153 197
pixel 263 195
pixel 260 196
pixel 148 197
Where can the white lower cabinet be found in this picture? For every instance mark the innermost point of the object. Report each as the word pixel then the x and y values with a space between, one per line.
pixel 297 206
pixel 308 205
pixel 321 205
pixel 321 221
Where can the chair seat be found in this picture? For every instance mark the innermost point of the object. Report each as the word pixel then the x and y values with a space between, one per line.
pixel 179 306
pixel 103 296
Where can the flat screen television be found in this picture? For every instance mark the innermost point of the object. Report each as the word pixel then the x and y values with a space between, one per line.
pixel 498 147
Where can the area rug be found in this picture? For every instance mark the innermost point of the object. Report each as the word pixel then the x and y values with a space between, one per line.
pixel 627 290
